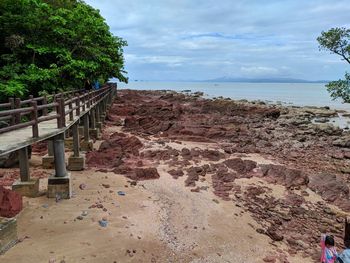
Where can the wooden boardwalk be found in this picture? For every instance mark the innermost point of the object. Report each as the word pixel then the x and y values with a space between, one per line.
pixel 19 138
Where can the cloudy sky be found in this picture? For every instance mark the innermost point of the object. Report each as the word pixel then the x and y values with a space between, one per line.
pixel 198 40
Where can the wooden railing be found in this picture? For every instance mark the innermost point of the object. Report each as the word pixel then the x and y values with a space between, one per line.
pixel 38 109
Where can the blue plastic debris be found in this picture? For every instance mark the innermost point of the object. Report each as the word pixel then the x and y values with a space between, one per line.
pixel 121 193
pixel 103 223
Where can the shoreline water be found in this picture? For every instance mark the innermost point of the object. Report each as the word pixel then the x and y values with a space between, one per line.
pixel 340 119
pixel 286 94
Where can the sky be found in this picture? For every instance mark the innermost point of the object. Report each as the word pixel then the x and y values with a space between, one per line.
pixel 201 40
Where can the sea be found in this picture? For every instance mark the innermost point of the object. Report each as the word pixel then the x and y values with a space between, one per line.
pixel 298 94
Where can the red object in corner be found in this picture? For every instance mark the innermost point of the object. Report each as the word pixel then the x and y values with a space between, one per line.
pixel 10 202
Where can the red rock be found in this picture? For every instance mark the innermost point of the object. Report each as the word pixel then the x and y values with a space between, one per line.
pixel 193 174
pixel 112 151
pixel 176 173
pixel 197 189
pixel 241 166
pixel 332 189
pixel 284 175
pixel 10 202
pixel 274 234
pixel 144 174
pixel 270 259
pixel 212 155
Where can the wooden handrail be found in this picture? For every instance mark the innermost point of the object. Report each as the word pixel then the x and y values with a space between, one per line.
pixel 72 103
pixel 9 112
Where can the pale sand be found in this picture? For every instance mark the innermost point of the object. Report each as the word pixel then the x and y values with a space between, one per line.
pixel 160 219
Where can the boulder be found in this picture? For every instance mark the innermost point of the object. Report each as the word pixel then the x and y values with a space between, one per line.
pixel 176 173
pixel 329 186
pixel 10 202
pixel 283 175
pixel 144 174
pixel 240 166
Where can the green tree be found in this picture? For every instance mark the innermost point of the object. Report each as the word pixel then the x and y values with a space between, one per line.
pixel 48 45
pixel 337 40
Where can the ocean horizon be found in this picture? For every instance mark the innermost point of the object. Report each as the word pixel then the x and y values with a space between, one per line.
pixel 297 94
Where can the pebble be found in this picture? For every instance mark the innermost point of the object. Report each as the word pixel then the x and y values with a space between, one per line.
pixel 215 201
pixel 103 223
pixel 84 213
pixel 80 217
pixel 271 259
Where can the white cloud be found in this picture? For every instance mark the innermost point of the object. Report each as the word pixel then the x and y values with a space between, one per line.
pixel 192 39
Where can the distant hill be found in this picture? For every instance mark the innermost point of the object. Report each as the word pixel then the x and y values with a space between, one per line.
pixel 266 80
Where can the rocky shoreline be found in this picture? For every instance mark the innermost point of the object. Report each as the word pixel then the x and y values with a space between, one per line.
pixel 272 164
pixel 304 156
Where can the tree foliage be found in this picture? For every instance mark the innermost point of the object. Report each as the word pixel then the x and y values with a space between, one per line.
pixel 51 45
pixel 337 40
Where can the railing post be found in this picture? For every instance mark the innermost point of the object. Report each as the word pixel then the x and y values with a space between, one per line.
pixel 97 113
pixel 88 100
pixel 70 109
pixel 63 112
pixel 58 111
pixel 44 112
pixel 12 106
pixel 86 128
pixel 92 119
pixel 17 106
pixel 83 101
pixel 34 117
pixel 77 104
pixel 24 164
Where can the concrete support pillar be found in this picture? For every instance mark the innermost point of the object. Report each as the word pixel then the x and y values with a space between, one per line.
pixel 87 144
pixel 76 162
pixel 94 131
pixel 48 159
pixel 68 142
pixel 67 133
pixel 81 128
pixel 24 164
pixel 98 117
pixel 97 113
pixel 103 110
pixel 25 186
pixel 59 185
pixel 58 152
pixel 86 128
pixel 50 147
pixel 92 119
pixel 76 140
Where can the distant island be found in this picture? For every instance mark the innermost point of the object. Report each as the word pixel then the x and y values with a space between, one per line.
pixel 265 80
pixel 237 80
